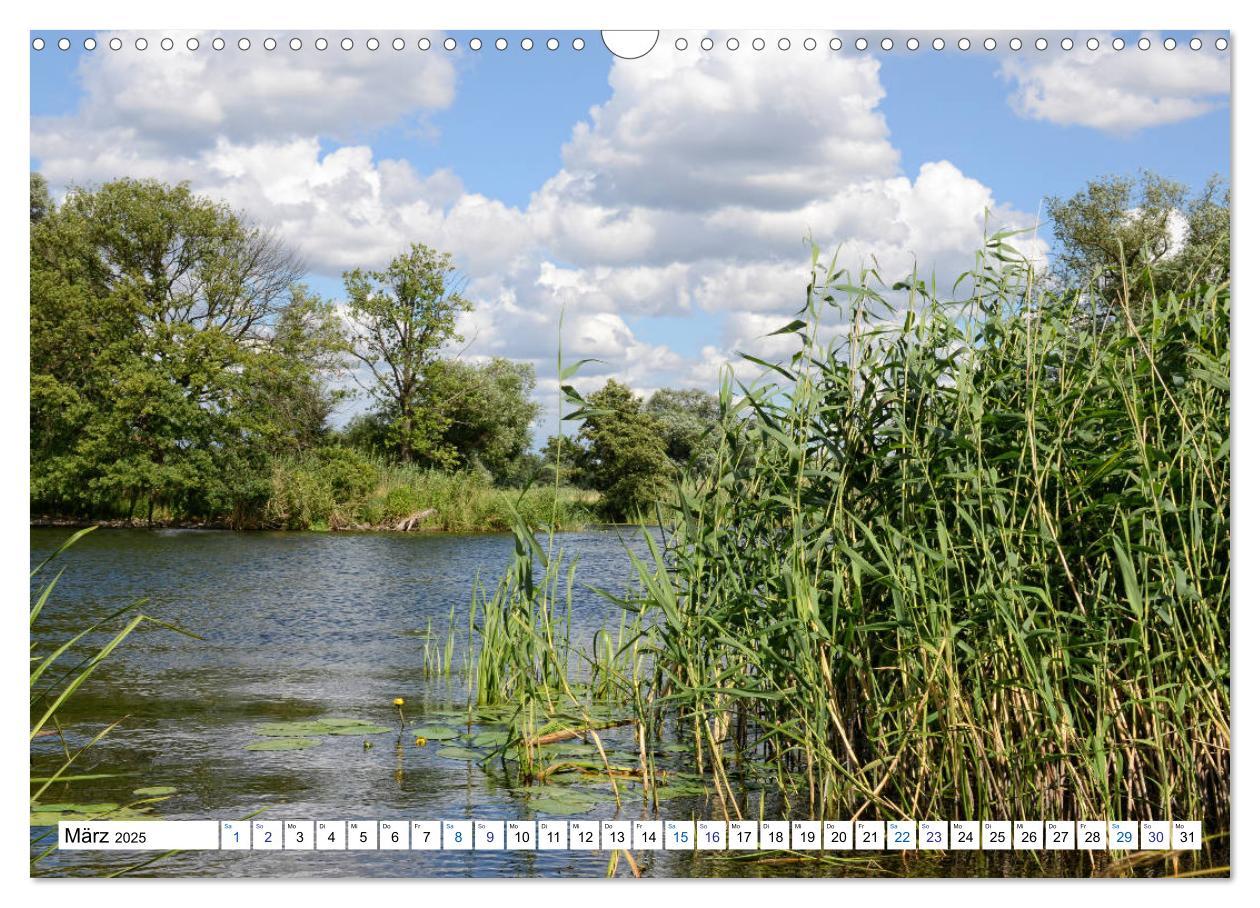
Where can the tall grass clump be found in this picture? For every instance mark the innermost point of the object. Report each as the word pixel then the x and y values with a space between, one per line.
pixel 341 489
pixel 965 558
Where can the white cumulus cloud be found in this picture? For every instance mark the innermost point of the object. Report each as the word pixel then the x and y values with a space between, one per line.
pixel 692 190
pixel 1119 91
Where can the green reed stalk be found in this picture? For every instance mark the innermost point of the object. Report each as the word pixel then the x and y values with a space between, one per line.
pixel 964 558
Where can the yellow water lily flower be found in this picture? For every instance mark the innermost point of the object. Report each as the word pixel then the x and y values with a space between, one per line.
pixel 421 741
pixel 399 701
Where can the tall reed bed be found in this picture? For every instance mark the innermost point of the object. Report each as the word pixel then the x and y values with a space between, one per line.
pixel 340 489
pixel 964 559
pixel 527 664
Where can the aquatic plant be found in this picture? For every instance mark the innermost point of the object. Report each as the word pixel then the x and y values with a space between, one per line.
pixel 963 557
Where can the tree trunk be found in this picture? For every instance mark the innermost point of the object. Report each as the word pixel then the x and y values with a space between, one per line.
pixel 404 447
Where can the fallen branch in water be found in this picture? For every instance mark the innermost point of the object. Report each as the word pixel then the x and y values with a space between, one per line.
pixel 567 734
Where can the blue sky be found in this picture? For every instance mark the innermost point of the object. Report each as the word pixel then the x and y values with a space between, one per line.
pixel 660 203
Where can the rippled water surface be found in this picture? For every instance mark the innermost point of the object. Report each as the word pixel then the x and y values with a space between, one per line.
pixel 298 626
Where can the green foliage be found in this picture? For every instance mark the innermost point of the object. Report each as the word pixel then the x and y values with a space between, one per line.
pixel 41 201
pixel 340 488
pixel 563 459
pixel 965 559
pixel 486 412
pixel 624 452
pixel 171 353
pixel 399 321
pixel 1117 227
pixel 687 417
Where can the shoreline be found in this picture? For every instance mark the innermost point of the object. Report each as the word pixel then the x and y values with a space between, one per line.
pixel 75 523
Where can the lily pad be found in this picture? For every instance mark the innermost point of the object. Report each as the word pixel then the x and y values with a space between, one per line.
pixel 290 729
pixel 460 714
pixel 569 749
pixel 360 730
pixel 680 790
pixel 52 814
pixel 154 791
pixel 340 722
pixel 563 793
pixel 283 744
pixel 490 739
pixel 436 732
pixel 459 753
pixel 560 806
pixel 493 712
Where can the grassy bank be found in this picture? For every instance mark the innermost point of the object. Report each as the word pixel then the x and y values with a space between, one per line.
pixel 339 490
pixel 971 561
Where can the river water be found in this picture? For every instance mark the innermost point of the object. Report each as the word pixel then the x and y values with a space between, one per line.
pixel 298 626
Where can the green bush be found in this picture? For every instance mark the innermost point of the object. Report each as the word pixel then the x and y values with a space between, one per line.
pixel 339 488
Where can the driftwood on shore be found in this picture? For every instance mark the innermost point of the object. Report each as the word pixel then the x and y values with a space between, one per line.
pixel 413 521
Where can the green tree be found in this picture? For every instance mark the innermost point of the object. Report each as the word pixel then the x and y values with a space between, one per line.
pixel 290 374
pixel 563 454
pixel 486 409
pixel 686 416
pixel 41 201
pixel 1116 227
pixel 625 455
pixel 163 333
pixel 399 321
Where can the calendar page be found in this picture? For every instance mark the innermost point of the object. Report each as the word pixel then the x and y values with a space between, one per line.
pixel 770 452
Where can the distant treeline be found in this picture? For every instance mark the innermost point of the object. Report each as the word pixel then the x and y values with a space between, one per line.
pixel 182 371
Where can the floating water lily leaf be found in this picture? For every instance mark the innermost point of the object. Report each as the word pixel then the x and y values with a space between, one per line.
pixel 561 806
pixel 680 790
pixel 569 749
pixel 360 730
pixel 461 714
pixel 563 793
pixel 676 749
pixel 436 732
pixel 489 739
pixel 52 814
pixel 459 753
pixel 290 729
pixel 340 721
pixel 283 744
pixel 154 791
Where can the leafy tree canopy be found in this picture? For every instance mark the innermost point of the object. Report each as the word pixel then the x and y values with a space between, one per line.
pixel 171 349
pixel 1115 228
pixel 400 319
pixel 625 456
